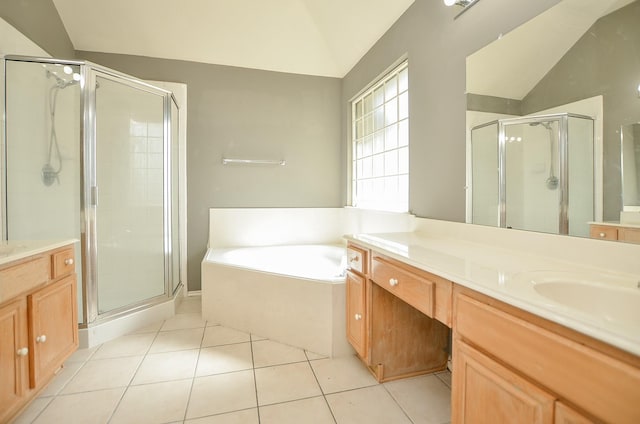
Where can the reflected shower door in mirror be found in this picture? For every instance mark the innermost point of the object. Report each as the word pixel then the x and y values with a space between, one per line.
pixel 630 159
pixel 524 170
pixel 578 57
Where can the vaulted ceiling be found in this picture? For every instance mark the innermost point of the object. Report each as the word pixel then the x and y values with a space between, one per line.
pixel 316 37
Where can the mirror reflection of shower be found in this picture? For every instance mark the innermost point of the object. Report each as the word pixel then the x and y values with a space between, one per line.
pixel 534 173
pixel 552 181
pixel 63 76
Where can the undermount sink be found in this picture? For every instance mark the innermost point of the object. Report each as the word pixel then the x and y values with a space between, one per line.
pixel 610 298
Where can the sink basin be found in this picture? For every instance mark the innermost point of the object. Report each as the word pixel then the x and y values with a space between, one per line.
pixel 616 304
pixel 603 297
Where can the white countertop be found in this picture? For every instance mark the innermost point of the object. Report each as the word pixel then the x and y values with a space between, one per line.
pixel 616 224
pixel 14 250
pixel 506 275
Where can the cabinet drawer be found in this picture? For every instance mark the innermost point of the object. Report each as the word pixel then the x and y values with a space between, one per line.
pixel 357 259
pixel 604 232
pixel 412 288
pixel 63 263
pixel 629 235
pixel 605 387
pixel 24 276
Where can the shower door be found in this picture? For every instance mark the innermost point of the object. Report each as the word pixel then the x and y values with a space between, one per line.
pixel 128 193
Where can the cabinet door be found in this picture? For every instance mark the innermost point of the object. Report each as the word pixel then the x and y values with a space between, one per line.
pixel 53 328
pixel 486 392
pixel 566 415
pixel 356 328
pixel 629 235
pixel 14 365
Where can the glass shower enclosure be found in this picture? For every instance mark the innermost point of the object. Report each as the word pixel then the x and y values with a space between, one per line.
pixel 92 154
pixel 534 173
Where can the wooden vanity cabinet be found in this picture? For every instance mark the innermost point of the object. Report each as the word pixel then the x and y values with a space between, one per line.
pixel 390 315
pixel 38 326
pixel 615 232
pixel 356 300
pixel 512 366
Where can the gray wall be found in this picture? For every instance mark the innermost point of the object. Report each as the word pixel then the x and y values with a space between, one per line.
pixel 436 46
pixel 606 60
pixel 40 22
pixel 246 113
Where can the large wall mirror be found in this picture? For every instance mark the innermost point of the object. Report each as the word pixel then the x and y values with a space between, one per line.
pixel 548 107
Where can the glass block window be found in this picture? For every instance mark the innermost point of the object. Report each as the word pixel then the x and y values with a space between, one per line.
pixel 380 133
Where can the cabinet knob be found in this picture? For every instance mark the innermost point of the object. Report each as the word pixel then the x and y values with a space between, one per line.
pixel 358 317
pixel 354 259
pixel 602 235
pixel 393 281
pixel 41 339
pixel 68 261
pixel 22 352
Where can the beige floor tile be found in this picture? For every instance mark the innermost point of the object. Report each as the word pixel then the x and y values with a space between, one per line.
pixel 129 345
pixel 268 352
pixel 153 403
pixel 217 394
pixel 190 305
pixel 170 341
pixel 184 321
pixel 32 411
pixel 61 379
pixel 82 355
pixel 371 405
pixel 248 416
pixel 151 328
pixel 284 383
pixel 425 399
pixel 307 411
pixel 222 359
pixel 103 374
pixel 343 373
pixel 167 366
pixel 81 408
pixel 219 335
pixel 257 337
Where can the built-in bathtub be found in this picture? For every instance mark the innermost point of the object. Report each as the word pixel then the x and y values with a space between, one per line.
pixel 294 294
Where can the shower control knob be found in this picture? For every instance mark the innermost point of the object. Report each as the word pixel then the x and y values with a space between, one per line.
pixel 393 282
pixel 41 339
pixel 22 352
pixel 68 261
pixel 358 317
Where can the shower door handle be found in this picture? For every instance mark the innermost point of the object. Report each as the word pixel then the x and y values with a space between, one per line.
pixel 94 196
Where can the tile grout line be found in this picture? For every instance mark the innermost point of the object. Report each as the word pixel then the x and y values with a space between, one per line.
pixel 397 403
pixel 255 381
pixel 195 372
pixel 324 396
pixel 126 389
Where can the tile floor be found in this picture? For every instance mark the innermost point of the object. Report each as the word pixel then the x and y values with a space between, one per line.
pixel 185 370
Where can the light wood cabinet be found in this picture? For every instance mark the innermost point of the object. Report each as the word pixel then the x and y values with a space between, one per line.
pixel 597 380
pixel 493 394
pixel 390 315
pixel 54 336
pixel 356 327
pixel 14 361
pixel 615 232
pixel 38 325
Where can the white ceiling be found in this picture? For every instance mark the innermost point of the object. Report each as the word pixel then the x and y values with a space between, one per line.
pixel 316 37
pixel 511 66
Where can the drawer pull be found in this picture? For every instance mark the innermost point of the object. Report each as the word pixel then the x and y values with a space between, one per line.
pixel 602 235
pixel 358 317
pixel 393 282
pixel 41 339
pixel 22 352
pixel 354 259
pixel 68 261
